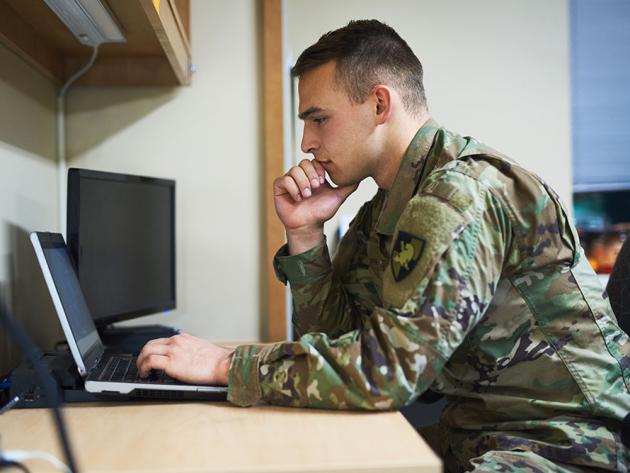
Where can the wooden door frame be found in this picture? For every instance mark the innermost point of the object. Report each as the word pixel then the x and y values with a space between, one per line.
pixel 274 293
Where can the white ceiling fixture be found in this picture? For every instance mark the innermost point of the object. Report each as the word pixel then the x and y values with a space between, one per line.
pixel 89 20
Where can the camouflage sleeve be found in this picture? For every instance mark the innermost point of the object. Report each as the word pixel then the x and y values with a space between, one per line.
pixel 321 301
pixel 447 257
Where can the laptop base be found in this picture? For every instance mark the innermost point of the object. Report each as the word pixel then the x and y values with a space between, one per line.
pixel 26 384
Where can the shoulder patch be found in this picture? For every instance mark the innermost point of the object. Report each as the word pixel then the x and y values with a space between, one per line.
pixel 425 231
pixel 406 252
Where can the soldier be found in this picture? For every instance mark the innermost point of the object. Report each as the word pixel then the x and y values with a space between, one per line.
pixel 463 274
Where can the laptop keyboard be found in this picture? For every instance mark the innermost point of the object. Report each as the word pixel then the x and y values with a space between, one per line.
pixel 123 369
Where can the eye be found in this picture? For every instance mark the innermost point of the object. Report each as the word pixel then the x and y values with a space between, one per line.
pixel 320 120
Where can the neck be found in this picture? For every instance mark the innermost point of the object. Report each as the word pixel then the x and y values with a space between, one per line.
pixel 401 136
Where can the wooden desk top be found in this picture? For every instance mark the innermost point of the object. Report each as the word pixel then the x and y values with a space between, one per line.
pixel 219 437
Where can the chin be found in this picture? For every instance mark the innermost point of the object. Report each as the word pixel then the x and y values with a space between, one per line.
pixel 344 180
pixel 337 180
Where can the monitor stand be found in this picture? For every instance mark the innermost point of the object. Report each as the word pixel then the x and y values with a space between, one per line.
pixel 132 339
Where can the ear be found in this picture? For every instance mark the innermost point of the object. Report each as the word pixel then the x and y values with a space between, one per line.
pixel 383 103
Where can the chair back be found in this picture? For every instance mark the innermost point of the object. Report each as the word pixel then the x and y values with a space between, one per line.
pixel 618 287
pixel 618 290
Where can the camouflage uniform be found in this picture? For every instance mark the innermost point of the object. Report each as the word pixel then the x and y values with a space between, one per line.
pixel 466 277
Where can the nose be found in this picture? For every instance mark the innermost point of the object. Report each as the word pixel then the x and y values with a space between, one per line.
pixel 310 142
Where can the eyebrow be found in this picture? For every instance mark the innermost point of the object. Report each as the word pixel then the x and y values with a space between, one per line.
pixel 309 111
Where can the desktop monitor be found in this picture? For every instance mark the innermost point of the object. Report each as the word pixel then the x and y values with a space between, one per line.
pixel 121 236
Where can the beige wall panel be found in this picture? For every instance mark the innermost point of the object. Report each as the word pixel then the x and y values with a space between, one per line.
pixel 206 137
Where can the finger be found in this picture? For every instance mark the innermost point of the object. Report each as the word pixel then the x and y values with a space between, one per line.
pixel 301 179
pixel 181 339
pixel 175 339
pixel 321 172
pixel 311 173
pixel 286 185
pixel 153 362
pixel 158 341
pixel 151 349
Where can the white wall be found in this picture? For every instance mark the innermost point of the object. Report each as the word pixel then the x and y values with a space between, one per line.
pixel 497 70
pixel 207 138
pixel 28 190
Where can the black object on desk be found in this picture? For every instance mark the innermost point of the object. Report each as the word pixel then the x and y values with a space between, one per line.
pixel 27 386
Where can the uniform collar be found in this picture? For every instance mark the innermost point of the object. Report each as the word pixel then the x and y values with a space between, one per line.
pixel 411 170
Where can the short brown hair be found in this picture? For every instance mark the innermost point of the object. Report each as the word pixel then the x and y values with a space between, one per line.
pixel 368 53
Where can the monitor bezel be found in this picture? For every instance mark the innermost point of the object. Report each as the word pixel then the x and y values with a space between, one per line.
pixel 75 176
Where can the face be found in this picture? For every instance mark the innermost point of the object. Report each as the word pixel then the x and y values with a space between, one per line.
pixel 340 134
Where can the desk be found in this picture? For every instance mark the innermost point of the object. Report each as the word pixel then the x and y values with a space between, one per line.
pixel 219 437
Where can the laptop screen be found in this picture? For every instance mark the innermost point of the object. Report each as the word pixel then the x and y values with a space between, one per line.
pixel 75 310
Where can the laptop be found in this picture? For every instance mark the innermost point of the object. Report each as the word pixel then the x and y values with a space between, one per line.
pixel 104 372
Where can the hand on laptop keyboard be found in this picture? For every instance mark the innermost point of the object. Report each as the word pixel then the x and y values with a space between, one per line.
pixel 186 358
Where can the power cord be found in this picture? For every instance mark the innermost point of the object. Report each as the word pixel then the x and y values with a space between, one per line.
pixel 61 132
pixel 11 464
pixel 80 72
pixel 16 458
pixel 9 404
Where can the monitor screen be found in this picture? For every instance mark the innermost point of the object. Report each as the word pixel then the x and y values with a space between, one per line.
pixel 121 236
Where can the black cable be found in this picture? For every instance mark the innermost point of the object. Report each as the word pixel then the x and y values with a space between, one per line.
pixel 34 356
pixel 12 464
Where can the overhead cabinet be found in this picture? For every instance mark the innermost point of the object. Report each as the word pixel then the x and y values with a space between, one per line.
pixel 157 51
